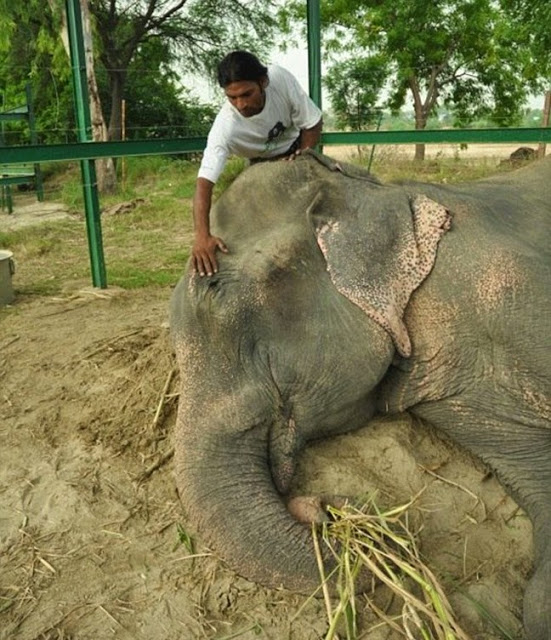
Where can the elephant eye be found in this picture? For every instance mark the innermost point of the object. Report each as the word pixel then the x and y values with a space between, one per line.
pixel 214 286
pixel 208 286
pixel 213 283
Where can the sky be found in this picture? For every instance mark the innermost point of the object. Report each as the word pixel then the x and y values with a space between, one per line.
pixel 296 61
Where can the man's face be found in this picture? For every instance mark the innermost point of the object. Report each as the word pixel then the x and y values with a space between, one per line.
pixel 246 96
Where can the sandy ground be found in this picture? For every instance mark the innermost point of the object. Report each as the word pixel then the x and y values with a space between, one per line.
pixel 90 523
pixel 27 211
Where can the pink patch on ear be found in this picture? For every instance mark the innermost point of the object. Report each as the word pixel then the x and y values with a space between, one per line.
pixel 329 227
pixel 430 221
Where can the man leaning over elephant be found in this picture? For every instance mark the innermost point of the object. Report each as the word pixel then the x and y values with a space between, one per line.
pixel 267 116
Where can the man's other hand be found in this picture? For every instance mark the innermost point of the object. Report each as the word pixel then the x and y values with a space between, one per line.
pixel 203 254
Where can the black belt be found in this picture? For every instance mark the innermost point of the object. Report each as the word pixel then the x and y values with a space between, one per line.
pixel 290 151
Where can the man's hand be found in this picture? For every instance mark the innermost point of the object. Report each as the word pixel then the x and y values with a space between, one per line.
pixel 203 254
pixel 292 156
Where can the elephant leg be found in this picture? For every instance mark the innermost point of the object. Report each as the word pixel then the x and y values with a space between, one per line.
pixel 537 599
pixel 529 478
pixel 527 471
pixel 519 451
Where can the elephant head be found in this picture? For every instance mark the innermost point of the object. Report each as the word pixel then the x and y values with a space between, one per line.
pixel 288 343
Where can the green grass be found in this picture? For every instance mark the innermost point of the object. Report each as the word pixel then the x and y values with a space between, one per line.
pixel 390 164
pixel 148 245
pixel 233 168
pixel 381 542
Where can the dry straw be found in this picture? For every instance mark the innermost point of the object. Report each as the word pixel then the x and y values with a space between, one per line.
pixel 381 542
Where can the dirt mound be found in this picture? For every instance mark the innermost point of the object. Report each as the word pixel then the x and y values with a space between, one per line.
pixel 93 541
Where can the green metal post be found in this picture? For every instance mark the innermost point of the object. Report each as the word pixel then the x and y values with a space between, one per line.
pixel 313 24
pixel 84 125
pixel 5 189
pixel 34 140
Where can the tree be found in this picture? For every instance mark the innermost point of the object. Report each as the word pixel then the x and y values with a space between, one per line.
pixel 196 32
pixel 31 52
pixel 531 22
pixel 106 174
pixel 354 87
pixel 458 53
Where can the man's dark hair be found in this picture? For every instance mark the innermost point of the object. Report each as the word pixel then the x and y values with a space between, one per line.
pixel 240 65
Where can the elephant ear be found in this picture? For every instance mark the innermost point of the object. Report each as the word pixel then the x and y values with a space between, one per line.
pixel 379 249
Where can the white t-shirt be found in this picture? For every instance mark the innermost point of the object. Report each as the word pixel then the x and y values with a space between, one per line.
pixel 287 110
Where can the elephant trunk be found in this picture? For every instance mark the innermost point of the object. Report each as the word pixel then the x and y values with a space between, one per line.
pixel 228 494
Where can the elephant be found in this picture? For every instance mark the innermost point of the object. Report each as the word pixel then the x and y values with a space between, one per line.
pixel 343 298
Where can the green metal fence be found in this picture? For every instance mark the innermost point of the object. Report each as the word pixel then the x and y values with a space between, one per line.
pixel 87 151
pixel 173 146
pixel 20 173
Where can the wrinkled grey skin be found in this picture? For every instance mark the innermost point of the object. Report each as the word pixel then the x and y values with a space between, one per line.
pixel 308 330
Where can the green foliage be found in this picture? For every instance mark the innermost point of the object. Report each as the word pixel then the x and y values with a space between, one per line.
pixel 354 86
pixel 168 112
pixel 7 25
pixel 156 105
pixel 531 30
pixel 34 54
pixel 464 55
pixel 139 48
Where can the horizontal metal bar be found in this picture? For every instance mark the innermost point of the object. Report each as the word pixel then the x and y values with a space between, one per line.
pixel 439 136
pixel 15 169
pixel 13 116
pixel 19 179
pixel 22 110
pixel 92 150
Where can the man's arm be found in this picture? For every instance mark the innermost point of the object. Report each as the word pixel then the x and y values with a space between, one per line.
pixel 204 246
pixel 309 138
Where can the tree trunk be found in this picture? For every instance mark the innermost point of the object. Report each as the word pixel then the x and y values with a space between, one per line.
pixel 420 124
pixel 545 122
pixel 419 152
pixel 117 92
pixel 421 115
pixel 105 167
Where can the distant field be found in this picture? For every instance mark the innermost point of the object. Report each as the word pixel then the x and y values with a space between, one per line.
pixel 498 151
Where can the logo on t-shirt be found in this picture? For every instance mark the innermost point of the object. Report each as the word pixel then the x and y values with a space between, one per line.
pixel 273 134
